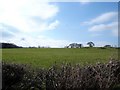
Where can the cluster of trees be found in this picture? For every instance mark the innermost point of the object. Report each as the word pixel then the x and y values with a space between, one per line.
pixel 39 47
pixel 12 45
pixel 90 44
pixel 75 45
pixel 9 45
pixel 43 47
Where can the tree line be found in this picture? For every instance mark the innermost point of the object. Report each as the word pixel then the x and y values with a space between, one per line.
pixel 9 45
pixel 72 45
pixel 90 44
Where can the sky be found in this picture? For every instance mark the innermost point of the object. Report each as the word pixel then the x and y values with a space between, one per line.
pixel 57 24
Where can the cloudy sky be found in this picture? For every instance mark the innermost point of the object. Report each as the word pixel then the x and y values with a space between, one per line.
pixel 57 24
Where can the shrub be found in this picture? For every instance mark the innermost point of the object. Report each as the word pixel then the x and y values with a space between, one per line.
pixel 102 47
pixel 63 77
pixel 11 75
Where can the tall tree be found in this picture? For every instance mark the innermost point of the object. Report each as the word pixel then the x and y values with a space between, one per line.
pixel 91 44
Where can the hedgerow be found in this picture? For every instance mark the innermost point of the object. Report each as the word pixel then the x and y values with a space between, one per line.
pixel 62 77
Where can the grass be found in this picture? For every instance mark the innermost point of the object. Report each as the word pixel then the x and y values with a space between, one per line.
pixel 45 57
pixel 103 76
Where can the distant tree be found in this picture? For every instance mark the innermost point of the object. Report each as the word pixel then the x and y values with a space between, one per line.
pixel 71 45
pixel 108 46
pixel 38 46
pixel 9 45
pixel 75 45
pixel 91 44
pixel 80 45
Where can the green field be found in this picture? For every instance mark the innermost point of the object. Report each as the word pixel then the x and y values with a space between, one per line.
pixel 45 57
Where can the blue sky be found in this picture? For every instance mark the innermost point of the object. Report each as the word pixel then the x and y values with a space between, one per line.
pixel 57 24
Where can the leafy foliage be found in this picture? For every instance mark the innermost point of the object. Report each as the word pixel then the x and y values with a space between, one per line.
pixel 63 77
pixel 9 45
pixel 91 44
pixel 11 74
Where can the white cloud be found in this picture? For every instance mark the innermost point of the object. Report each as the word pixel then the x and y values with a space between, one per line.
pixel 114 28
pixel 28 17
pixel 53 25
pixel 19 13
pixel 44 26
pixel 47 26
pixel 103 22
pixel 106 17
pixel 102 27
pixel 27 40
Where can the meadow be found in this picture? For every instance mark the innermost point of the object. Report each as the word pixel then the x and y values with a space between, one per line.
pixel 45 57
pixel 79 68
